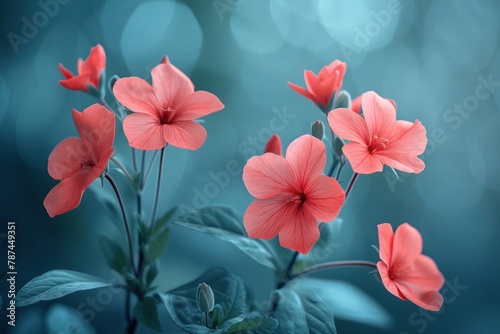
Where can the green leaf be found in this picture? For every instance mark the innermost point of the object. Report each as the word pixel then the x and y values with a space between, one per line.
pixel 61 319
pixel 302 311
pixel 146 312
pixel 229 292
pixel 115 255
pixel 347 301
pixel 151 273
pixel 157 244
pixel 56 284
pixel 163 220
pixel 223 223
pixel 255 325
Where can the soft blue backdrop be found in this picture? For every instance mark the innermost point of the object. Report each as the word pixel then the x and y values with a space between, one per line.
pixel 432 57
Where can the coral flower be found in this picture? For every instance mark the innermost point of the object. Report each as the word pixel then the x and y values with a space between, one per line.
pixel 77 162
pixel 291 194
pixel 89 71
pixel 379 139
pixel 164 113
pixel 320 88
pixel 273 145
pixel 405 272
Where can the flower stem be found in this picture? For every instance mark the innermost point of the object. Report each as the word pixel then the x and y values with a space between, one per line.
pixel 125 220
pixel 134 159
pixel 334 264
pixel 121 167
pixel 150 165
pixel 351 184
pixel 157 194
pixel 337 175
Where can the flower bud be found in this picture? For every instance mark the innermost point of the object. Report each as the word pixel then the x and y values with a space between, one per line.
pixel 217 316
pixel 318 129
pixel 342 100
pixel 273 145
pixel 205 298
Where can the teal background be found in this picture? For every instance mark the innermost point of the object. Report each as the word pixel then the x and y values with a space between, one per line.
pixel 431 57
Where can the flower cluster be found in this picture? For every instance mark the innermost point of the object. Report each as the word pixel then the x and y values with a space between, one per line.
pixel 296 195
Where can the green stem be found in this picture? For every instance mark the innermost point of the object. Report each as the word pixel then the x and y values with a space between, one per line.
pixel 351 185
pixel 337 175
pixel 150 165
pixel 157 194
pixel 125 220
pixel 334 264
pixel 134 159
pixel 121 167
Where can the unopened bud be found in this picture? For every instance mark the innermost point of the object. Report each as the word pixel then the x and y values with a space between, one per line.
pixel 273 145
pixel 205 298
pixel 318 129
pixel 342 100
pixel 217 316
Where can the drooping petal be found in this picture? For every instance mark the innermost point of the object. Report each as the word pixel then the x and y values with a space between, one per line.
pixel 302 91
pixel 67 195
pixel 361 160
pixel 79 82
pixel 324 198
pixel 264 218
pixel 137 95
pixel 144 131
pixel 402 153
pixel 429 300
pixel 301 230
pixel 96 126
pixel 407 246
pixel 170 85
pixel 348 125
pixel 385 239
pixel 307 158
pixel 185 134
pixel 379 114
pixel 389 284
pixel 267 176
pixel 423 273
pixel 197 105
pixel 67 157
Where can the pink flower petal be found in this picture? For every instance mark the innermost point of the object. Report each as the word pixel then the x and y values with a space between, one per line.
pixel 137 95
pixel 197 105
pixel 267 176
pixel 402 153
pixel 407 246
pixel 274 145
pixel 79 82
pixel 170 85
pixel 311 81
pixel 385 239
pixel 389 284
pixel 67 195
pixel 348 125
pixel 324 198
pixel 424 274
pixel 185 134
pixel 67 73
pixel 379 114
pixel 429 300
pixel 361 160
pixel 144 131
pixel 301 230
pixel 264 218
pixel 67 157
pixel 96 126
pixel 307 158
pixel 302 91
pixel 165 60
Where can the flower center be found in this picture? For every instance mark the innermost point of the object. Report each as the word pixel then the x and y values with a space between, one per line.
pixel 167 112
pixel 87 163
pixel 377 144
pixel 298 198
pixel 392 273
